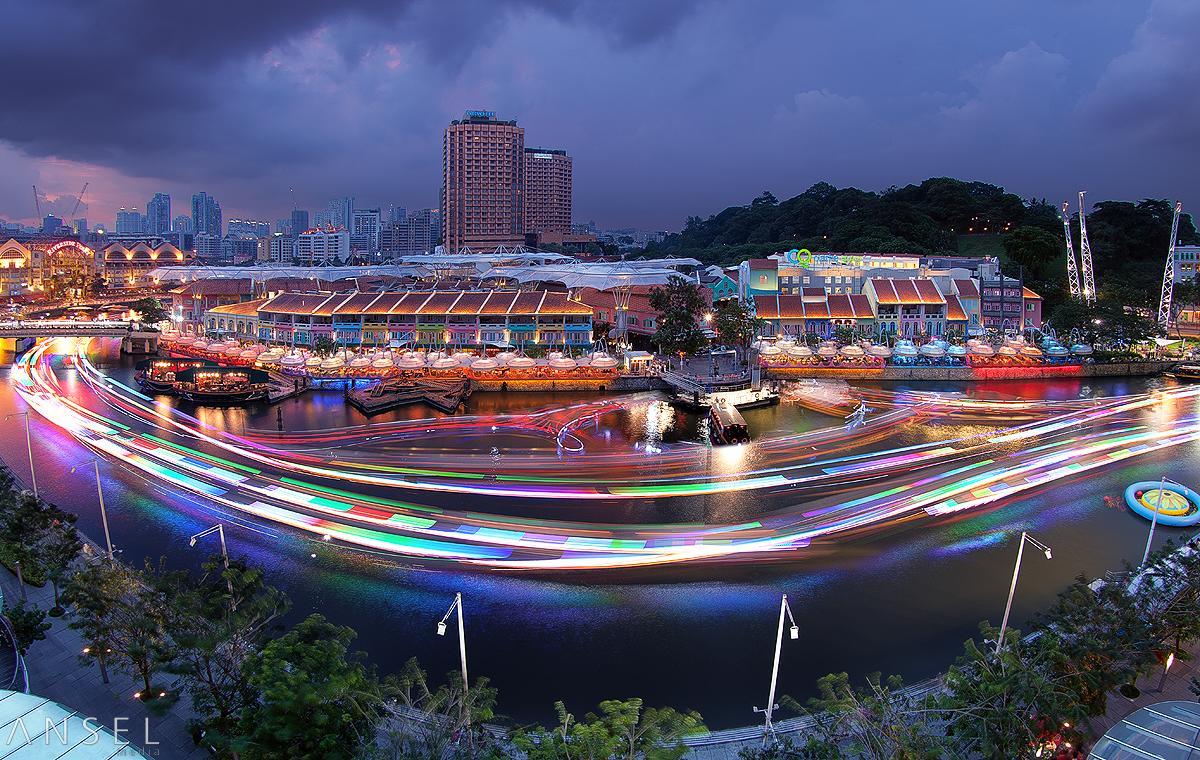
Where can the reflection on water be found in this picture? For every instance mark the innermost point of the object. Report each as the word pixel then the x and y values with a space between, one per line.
pixel 900 600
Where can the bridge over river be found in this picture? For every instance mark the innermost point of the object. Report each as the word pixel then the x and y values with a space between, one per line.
pixel 136 338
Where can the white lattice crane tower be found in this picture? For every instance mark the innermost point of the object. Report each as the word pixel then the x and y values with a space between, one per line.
pixel 1072 268
pixel 1085 257
pixel 1168 285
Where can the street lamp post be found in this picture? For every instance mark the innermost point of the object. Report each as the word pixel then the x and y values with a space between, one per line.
pixel 1013 587
pixel 794 633
pixel 219 529
pixel 103 512
pixel 28 448
pixel 1162 485
pixel 457 604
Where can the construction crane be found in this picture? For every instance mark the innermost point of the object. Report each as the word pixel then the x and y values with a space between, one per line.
pixel 1085 257
pixel 79 199
pixel 1168 287
pixel 37 202
pixel 1072 268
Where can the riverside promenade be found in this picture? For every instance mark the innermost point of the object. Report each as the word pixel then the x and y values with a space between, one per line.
pixel 56 673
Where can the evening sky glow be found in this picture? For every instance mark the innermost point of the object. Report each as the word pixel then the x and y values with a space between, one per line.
pixel 668 108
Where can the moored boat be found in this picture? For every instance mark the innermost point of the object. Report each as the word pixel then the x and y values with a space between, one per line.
pixel 222 385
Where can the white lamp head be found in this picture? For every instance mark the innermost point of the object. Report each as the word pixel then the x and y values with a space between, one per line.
pixel 192 542
pixel 441 629
pixel 1048 555
pixel 794 632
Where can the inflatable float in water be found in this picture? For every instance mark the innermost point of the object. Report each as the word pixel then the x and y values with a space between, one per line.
pixel 1180 506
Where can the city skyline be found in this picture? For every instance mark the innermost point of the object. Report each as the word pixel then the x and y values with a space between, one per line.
pixel 838 101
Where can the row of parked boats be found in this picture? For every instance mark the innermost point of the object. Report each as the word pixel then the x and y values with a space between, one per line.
pixel 384 362
pixel 1013 350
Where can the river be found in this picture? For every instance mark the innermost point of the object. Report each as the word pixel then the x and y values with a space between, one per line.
pixel 899 599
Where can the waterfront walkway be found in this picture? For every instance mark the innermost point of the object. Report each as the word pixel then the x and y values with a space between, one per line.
pixel 55 673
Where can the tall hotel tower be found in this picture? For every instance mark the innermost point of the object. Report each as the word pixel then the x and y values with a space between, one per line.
pixel 483 182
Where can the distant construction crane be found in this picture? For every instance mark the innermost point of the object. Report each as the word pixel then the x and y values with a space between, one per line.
pixel 1168 285
pixel 37 202
pixel 1085 257
pixel 1072 268
pixel 79 199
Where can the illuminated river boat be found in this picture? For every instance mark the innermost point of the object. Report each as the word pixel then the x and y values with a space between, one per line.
pixel 222 385
pixel 159 375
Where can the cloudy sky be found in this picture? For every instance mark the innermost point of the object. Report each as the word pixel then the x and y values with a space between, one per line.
pixel 669 108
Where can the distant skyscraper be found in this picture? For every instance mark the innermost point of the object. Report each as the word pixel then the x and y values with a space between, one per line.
pixel 326 246
pixel 341 212
pixel 51 225
pixel 248 228
pixel 130 222
pixel 416 234
pixel 208 249
pixel 206 215
pixel 483 172
pixel 365 229
pixel 283 225
pixel 483 181
pixel 158 214
pixel 79 226
pixel 547 191
pixel 299 221
pixel 320 219
pixel 183 223
pixel 397 213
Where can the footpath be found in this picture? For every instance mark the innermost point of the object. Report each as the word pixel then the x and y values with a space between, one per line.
pixel 56 673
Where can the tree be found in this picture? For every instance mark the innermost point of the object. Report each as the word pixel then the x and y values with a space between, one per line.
pixel 679 305
pixel 214 633
pixel 877 722
pixel 1040 254
pixel 138 624
pixel 151 310
pixel 93 593
pixel 23 526
pixel 324 346
pixel 734 324
pixel 600 330
pixel 316 702
pixel 28 623
pixel 1013 705
pixel 450 726
pixel 623 729
pixel 59 550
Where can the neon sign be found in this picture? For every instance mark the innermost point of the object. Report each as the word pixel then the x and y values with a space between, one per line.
pixel 802 257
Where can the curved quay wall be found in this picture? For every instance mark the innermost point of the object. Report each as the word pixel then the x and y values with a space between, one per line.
pixel 1115 369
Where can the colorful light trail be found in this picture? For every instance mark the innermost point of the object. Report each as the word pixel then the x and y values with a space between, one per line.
pixel 372 492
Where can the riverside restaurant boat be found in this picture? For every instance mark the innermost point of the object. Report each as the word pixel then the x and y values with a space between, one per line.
pixel 726 425
pixel 159 375
pixel 223 385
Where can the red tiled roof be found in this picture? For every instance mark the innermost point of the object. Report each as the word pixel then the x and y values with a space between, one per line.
pixel 954 309
pixel 440 302
pixel 558 303
pixel 861 306
pixel 766 307
pixel 526 303
pixel 791 306
pixel 928 291
pixel 469 303
pixel 1027 293
pixel 966 288
pixel 816 310
pixel 840 306
pixel 812 294
pixel 294 303
pixel 216 287
pixel 498 302
pixel 764 264
pixel 885 293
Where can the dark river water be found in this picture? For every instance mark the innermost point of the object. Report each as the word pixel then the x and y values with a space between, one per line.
pixel 901 600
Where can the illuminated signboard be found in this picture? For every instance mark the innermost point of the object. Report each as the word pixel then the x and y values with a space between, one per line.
pixel 802 257
pixel 481 114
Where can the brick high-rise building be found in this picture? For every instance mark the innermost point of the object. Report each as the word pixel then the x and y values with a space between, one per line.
pixel 547 191
pixel 483 182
